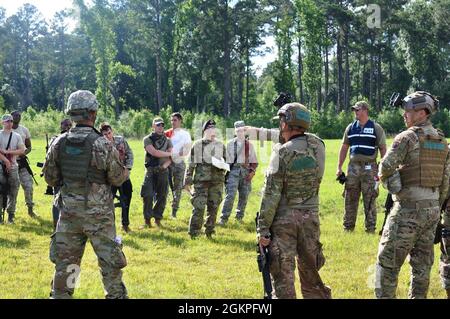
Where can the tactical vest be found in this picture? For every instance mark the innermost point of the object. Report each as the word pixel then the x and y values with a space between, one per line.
pixel 362 139
pixel 75 164
pixel 426 169
pixel 301 180
pixel 158 142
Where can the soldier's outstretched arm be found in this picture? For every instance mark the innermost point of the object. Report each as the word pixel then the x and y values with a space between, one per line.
pixel 262 134
pixel 273 186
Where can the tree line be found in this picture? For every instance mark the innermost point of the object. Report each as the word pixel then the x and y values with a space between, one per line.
pixel 197 55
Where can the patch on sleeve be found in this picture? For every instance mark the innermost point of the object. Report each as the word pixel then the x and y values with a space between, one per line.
pixel 395 144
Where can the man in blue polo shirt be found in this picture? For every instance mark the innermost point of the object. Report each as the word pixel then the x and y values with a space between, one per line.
pixel 364 138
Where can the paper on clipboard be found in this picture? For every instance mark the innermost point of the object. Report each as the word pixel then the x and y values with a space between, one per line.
pixel 220 163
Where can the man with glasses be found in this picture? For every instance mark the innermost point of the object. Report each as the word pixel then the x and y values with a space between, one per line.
pixel 364 138
pixel 11 146
pixel 158 149
pixel 181 140
pixel 126 158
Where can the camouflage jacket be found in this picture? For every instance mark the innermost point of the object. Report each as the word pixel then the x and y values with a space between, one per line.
pixel 274 203
pixel 104 157
pixel 200 168
pixel 125 152
pixel 404 149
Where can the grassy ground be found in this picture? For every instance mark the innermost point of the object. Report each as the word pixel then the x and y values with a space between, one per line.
pixel 165 263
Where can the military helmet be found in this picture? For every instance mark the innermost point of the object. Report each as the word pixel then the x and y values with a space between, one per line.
pixel 295 114
pixel 81 102
pixel 420 100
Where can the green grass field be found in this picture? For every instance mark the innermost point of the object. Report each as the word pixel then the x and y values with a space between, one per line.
pixel 165 263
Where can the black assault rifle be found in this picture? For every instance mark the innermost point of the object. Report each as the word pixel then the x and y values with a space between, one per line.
pixel 388 204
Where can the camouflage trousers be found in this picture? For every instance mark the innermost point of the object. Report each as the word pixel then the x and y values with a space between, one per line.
pixel 296 236
pixel 236 183
pixel 26 180
pixel 67 247
pixel 155 187
pixel 14 184
pixel 444 263
pixel 209 195
pixel 177 171
pixel 409 230
pixel 361 179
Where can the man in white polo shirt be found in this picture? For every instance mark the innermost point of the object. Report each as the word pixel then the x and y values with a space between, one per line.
pixel 181 140
pixel 11 146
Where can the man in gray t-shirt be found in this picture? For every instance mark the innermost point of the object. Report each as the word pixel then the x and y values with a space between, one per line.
pixel 11 146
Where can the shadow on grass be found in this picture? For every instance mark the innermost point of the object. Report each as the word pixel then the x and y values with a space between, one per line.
pixel 162 235
pixel 44 228
pixel 18 244
pixel 133 244
pixel 233 242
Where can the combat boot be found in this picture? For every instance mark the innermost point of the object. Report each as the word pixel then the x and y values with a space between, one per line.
pixel 31 213
pixel 174 213
pixel 448 293
pixel 158 223
pixel 10 219
pixel 222 222
pixel 148 224
pixel 126 229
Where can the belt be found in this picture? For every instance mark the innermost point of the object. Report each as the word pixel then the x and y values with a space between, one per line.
pixel 426 203
pixel 156 169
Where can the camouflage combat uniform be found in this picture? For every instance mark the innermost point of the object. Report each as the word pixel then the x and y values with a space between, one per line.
pixel 361 178
pixel 85 165
pixel 290 214
pixel 419 157
pixel 242 158
pixel 208 184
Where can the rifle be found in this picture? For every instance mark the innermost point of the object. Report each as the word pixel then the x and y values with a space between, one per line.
pixel 441 232
pixel 121 198
pixel 263 260
pixel 388 204
pixel 49 190
pixel 24 163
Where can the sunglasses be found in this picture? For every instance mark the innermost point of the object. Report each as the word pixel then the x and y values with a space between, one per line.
pixel 160 124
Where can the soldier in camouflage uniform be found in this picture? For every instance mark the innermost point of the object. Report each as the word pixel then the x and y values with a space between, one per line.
pixel 158 150
pixel 126 157
pixel 85 164
pixel 26 179
pixel 416 171
pixel 289 215
pixel 243 163
pixel 207 180
pixel 364 138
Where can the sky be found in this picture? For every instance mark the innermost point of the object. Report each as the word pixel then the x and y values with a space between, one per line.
pixel 49 7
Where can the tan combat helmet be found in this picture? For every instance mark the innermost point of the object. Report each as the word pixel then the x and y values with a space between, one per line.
pixel 420 100
pixel 80 103
pixel 295 114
